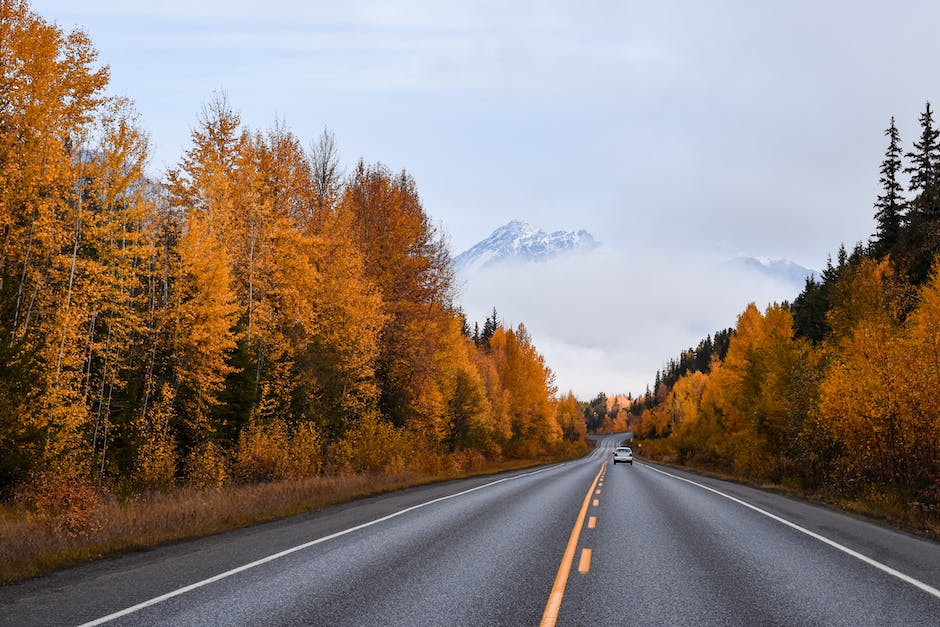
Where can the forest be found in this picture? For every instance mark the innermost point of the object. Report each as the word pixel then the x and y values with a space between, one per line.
pixel 252 314
pixel 837 392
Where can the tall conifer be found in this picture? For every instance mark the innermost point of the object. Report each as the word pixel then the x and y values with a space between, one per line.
pixel 920 233
pixel 925 159
pixel 890 204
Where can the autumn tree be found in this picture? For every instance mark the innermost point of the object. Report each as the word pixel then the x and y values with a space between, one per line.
pixel 570 418
pixel 205 309
pixel 922 360
pixel 252 316
pixel 109 274
pixel 694 432
pixel 338 368
pixel 70 219
pixel 875 398
pixel 530 386
pixel 761 395
pixel 275 268
pixel 498 397
pixel 407 260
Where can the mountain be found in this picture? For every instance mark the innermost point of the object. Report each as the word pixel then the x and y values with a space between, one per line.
pixel 519 242
pixel 780 269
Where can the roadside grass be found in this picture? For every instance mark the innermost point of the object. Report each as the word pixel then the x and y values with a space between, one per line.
pixel 31 545
pixel 875 505
pixel 913 517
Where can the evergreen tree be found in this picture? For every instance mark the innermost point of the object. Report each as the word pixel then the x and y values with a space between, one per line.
pixel 890 204
pixel 842 257
pixel 925 159
pixel 595 411
pixel 920 234
pixel 809 310
pixel 489 328
pixel 464 323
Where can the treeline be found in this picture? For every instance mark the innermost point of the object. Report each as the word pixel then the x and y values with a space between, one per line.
pixel 254 315
pixel 839 391
pixel 694 359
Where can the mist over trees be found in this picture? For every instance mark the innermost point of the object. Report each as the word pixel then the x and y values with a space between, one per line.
pixel 836 392
pixel 253 315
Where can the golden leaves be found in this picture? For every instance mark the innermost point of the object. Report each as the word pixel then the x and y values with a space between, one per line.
pixel 249 316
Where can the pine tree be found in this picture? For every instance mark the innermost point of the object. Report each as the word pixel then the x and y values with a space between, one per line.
pixel 489 328
pixel 925 159
pixel 920 234
pixel 809 311
pixel 890 204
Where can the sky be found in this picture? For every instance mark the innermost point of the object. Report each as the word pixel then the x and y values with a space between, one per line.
pixel 678 134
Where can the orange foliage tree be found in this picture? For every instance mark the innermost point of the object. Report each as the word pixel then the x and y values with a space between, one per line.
pixel 251 316
pixel 879 397
pixel 530 385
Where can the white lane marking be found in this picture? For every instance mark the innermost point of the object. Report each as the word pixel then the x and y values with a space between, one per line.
pixel 883 567
pixel 300 547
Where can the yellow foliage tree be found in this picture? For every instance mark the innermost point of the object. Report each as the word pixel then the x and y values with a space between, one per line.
pixel 205 316
pixel 156 449
pixel 758 402
pixel 570 418
pixel 205 309
pixel 407 260
pixel 879 397
pixel 530 386
pixel 339 363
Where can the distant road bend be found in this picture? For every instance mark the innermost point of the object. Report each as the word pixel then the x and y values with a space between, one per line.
pixel 579 543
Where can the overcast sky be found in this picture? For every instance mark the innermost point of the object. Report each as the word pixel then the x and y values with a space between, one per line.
pixel 678 134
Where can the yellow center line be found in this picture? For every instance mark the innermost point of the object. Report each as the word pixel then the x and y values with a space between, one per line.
pixel 598 491
pixel 550 615
pixel 585 564
pixel 596 502
pixel 592 522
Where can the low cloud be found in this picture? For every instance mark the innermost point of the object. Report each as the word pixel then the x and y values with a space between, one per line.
pixel 607 320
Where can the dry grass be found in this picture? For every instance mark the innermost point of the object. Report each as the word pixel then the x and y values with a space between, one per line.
pixel 893 510
pixel 31 545
pixel 878 506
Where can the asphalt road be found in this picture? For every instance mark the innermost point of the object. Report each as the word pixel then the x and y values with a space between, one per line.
pixel 665 547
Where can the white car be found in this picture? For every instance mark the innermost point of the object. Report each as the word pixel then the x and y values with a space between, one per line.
pixel 623 454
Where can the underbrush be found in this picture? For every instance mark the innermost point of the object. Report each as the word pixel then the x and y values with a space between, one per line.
pixel 34 542
pixel 913 516
pixel 873 502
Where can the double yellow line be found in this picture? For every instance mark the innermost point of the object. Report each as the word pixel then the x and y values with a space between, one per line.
pixel 550 615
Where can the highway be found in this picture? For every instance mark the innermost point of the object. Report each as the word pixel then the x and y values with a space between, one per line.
pixel 580 543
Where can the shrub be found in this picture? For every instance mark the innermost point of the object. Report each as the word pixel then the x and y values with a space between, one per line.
pixel 206 466
pixel 64 499
pixel 262 453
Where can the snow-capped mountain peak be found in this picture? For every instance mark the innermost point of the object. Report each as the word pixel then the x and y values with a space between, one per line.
pixel 781 269
pixel 521 242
